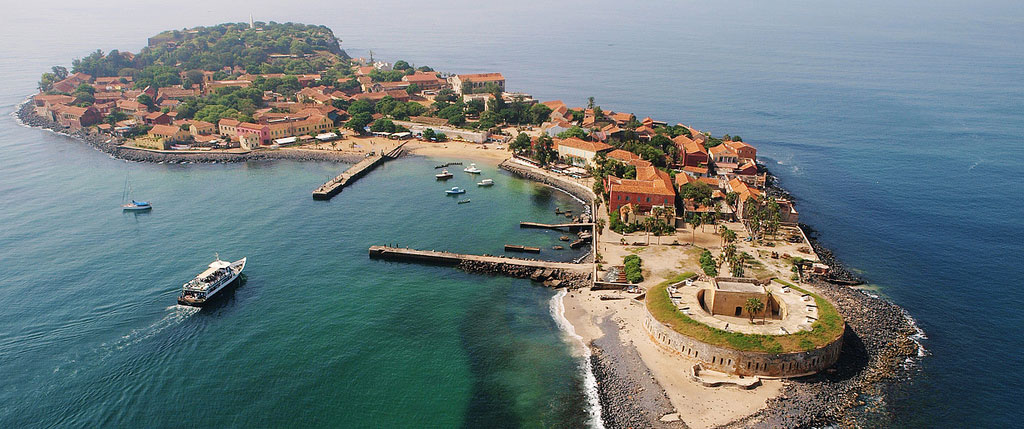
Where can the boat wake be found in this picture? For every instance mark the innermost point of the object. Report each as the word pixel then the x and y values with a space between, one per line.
pixel 589 380
pixel 176 314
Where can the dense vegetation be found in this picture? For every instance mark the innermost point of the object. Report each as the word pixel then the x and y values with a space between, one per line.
pixel 287 48
pixel 633 264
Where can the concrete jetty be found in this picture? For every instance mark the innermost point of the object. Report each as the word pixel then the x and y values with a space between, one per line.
pixel 570 226
pixel 359 169
pixel 448 258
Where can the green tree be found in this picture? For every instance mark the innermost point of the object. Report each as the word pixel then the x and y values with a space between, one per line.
pixel 695 221
pixel 574 131
pixel 359 121
pixel 539 113
pixel 696 191
pixel 401 65
pixel 360 106
pixel 753 306
pixel 383 125
pixel 413 89
pixel 520 144
pixel 60 72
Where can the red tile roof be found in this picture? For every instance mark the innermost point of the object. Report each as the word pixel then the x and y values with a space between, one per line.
pixel 577 143
pixel 481 77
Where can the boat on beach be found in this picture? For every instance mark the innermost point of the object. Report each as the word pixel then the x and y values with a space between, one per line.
pixel 443 175
pixel 455 190
pixel 218 275
pixel 472 169
pixel 485 182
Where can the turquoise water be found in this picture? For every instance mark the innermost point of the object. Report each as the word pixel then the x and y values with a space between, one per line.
pixel 897 124
pixel 317 326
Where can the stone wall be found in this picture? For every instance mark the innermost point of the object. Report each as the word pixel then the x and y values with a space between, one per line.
pixel 575 189
pixel 745 363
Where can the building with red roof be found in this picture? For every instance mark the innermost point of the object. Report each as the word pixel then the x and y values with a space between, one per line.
pixel 76 118
pixel 579 152
pixel 651 188
pixel 427 81
pixel 475 82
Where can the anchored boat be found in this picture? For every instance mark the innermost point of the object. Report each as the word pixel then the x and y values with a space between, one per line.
pixel 215 278
pixel 485 182
pixel 455 190
pixel 443 175
pixel 472 169
pixel 136 206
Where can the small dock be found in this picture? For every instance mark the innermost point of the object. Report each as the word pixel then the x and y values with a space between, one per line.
pixel 448 258
pixel 518 248
pixel 335 185
pixel 569 226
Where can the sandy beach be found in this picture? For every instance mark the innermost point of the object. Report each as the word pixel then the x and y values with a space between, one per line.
pixel 695 405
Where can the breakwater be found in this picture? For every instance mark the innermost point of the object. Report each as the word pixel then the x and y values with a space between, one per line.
pixel 554 274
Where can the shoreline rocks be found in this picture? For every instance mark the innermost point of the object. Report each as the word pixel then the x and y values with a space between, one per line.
pixel 549 277
pixel 876 346
pixel 630 396
pixel 574 189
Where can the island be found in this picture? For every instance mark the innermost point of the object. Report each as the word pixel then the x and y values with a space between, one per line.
pixel 702 301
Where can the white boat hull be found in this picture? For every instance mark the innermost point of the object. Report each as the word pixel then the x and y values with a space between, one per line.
pixel 236 270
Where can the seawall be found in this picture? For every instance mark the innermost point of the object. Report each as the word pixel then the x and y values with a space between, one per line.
pixel 575 189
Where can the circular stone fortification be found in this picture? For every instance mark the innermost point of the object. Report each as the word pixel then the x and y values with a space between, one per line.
pixel 809 339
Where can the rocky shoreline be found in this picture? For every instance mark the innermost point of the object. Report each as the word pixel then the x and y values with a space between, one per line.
pixel 570 280
pixel 111 145
pixel 630 396
pixel 576 190
pixel 877 344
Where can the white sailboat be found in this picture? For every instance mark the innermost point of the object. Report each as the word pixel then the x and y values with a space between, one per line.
pixel 132 205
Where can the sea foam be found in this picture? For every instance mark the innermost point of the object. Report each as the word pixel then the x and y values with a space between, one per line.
pixel 589 381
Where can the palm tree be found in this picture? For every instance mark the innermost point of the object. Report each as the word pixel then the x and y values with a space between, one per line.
pixel 736 266
pixel 721 233
pixel 648 226
pixel 768 300
pixel 729 236
pixel 753 305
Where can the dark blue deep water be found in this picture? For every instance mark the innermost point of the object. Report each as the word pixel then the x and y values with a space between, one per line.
pixel 896 124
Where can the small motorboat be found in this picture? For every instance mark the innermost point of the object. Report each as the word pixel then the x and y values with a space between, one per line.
pixel 455 190
pixel 472 169
pixel 466 201
pixel 443 175
pixel 137 206
pixel 485 182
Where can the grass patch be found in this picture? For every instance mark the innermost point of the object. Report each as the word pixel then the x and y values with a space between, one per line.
pixel 828 327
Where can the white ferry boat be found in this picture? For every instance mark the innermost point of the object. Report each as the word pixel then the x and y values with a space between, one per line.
pixel 219 275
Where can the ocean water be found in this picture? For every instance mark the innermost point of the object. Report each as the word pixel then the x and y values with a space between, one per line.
pixel 896 124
